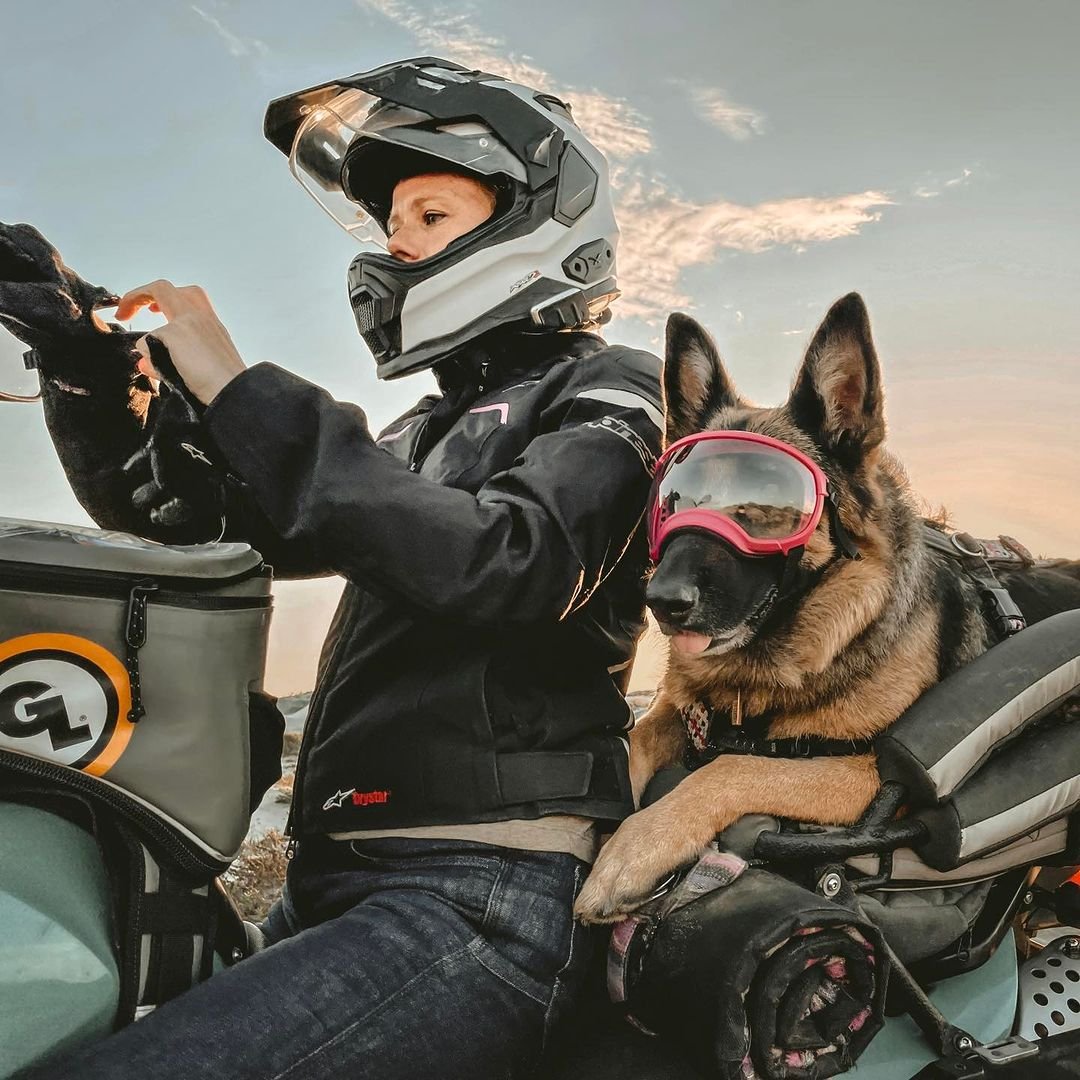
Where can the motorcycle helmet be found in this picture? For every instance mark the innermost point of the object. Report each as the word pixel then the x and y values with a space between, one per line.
pixel 545 257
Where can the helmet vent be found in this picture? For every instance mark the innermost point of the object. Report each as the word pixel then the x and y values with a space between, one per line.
pixel 366 310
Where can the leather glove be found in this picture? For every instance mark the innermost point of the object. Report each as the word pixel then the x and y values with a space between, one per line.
pixel 177 474
pixel 48 306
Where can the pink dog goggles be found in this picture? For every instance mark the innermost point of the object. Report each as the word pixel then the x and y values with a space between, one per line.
pixel 760 494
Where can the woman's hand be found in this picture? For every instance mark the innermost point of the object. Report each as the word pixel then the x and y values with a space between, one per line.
pixel 199 345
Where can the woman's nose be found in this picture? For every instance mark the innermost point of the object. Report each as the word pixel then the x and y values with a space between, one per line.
pixel 402 246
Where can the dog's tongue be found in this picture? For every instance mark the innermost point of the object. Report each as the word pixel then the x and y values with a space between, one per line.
pixel 686 642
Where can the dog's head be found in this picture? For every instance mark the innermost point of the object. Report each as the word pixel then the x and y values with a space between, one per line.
pixel 711 598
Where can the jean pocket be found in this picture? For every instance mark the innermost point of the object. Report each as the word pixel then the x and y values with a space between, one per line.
pixel 511 973
pixel 392 852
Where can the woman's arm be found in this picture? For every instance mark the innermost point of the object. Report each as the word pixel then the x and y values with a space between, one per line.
pixel 531 545
pixel 99 412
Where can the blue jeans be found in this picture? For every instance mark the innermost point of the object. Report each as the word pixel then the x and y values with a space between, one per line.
pixel 401 959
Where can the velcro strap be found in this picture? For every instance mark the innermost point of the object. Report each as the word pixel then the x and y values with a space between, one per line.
pixel 534 776
pixel 175 913
pixel 178 919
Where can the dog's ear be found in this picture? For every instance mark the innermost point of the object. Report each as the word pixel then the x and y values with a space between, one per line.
pixel 837 395
pixel 696 385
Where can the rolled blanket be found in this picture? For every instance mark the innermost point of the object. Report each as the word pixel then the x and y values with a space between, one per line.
pixel 755 976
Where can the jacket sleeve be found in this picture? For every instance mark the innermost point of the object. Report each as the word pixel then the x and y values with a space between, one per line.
pixel 100 416
pixel 531 545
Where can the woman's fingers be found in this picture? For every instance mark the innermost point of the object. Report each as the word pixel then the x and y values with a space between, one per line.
pixel 164 297
pixel 142 347
pixel 160 294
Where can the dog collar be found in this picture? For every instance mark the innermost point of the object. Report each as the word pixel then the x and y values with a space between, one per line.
pixel 712 732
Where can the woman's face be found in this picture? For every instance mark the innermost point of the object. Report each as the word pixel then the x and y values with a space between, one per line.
pixel 430 210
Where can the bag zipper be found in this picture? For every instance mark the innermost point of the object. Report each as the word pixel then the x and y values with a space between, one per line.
pixel 107 584
pixel 189 860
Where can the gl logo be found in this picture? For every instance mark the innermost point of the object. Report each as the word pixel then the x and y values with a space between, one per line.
pixel 31 708
pixel 64 699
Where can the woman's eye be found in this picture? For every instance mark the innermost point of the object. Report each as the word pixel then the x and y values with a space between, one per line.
pixel 431 217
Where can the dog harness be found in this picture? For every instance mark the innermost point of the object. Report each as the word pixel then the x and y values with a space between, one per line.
pixel 977 559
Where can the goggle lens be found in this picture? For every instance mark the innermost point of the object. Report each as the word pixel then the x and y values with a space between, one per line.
pixel 767 491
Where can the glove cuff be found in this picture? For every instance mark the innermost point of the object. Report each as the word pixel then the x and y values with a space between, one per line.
pixel 88 365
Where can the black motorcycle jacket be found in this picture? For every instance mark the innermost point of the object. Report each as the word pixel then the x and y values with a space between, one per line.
pixel 493 550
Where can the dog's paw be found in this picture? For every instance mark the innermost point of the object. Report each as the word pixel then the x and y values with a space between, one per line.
pixel 645 849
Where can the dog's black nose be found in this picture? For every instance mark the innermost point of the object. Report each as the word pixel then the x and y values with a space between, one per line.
pixel 671 601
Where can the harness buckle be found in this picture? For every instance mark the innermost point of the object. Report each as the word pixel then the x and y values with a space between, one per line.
pixel 1008 619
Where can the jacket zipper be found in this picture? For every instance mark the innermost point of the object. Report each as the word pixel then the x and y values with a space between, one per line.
pixel 292 822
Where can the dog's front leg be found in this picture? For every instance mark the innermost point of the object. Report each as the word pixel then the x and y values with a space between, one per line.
pixel 648 845
pixel 658 739
pixel 675 830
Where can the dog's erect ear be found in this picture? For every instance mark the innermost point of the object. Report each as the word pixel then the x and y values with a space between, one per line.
pixel 837 394
pixel 695 382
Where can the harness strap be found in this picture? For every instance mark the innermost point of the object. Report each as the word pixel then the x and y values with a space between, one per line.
pixel 977 559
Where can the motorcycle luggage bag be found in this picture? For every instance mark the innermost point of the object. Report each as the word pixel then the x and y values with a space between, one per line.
pixel 125 670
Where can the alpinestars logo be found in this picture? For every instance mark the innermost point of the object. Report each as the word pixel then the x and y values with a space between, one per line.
pixel 357 798
pixel 336 801
pixel 64 699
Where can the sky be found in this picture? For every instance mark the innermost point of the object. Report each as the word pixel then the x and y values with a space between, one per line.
pixel 767 158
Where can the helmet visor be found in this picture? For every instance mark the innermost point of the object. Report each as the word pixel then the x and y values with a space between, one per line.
pixel 355 188
pixel 756 492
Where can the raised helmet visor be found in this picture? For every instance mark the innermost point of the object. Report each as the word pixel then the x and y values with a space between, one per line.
pixel 345 151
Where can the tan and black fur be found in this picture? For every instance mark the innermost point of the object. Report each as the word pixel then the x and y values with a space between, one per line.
pixel 842 658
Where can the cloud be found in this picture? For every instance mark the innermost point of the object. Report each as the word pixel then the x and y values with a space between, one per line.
pixel 612 123
pixel 236 45
pixel 932 188
pixel 738 122
pixel 663 233
pixel 961 179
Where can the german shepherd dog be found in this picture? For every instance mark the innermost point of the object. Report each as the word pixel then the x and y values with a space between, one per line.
pixel 849 645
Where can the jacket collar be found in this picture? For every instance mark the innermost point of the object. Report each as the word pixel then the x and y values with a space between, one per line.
pixel 497 358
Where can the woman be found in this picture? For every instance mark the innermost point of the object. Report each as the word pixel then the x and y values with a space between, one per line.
pixel 466 730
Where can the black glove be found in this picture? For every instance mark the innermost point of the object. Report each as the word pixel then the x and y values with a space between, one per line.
pixel 178 475
pixel 48 306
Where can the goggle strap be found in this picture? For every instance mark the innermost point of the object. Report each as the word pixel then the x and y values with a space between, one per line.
pixel 841 537
pixel 790 571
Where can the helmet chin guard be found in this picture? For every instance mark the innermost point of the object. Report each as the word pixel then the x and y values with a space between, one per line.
pixel 546 256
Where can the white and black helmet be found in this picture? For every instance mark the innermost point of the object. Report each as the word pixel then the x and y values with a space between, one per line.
pixel 546 256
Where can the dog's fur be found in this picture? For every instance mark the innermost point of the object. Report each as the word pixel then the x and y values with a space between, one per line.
pixel 857 642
